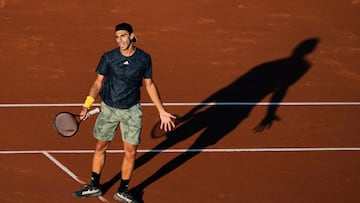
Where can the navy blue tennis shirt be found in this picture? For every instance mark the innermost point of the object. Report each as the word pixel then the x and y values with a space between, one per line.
pixel 123 77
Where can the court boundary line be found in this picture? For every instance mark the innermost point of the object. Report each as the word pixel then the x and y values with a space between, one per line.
pixel 69 172
pixel 66 170
pixel 199 104
pixel 62 167
pixel 224 150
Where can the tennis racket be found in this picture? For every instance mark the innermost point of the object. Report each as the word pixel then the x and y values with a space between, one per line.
pixel 67 124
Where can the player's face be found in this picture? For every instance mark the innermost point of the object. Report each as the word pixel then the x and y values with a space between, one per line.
pixel 123 39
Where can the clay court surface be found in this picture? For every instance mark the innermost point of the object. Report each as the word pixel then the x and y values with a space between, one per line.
pixel 223 59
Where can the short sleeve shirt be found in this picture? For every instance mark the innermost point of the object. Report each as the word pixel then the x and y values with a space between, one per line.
pixel 123 77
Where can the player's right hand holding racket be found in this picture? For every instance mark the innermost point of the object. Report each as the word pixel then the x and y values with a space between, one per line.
pixel 67 124
pixel 85 113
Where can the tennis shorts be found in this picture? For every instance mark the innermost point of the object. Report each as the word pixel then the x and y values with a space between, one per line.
pixel 129 120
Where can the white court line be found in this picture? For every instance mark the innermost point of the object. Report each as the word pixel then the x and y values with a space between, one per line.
pixel 203 104
pixel 62 167
pixel 72 175
pixel 67 171
pixel 101 198
pixel 235 150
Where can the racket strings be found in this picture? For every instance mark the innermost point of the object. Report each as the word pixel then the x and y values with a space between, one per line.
pixel 65 124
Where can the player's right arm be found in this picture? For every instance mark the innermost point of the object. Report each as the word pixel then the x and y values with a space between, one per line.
pixel 96 86
pixel 93 93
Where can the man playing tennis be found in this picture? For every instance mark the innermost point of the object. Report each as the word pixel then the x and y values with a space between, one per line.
pixel 120 74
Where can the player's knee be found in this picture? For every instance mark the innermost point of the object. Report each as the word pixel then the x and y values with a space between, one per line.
pixel 130 153
pixel 101 146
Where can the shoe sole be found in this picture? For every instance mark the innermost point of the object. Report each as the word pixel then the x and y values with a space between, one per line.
pixel 90 195
pixel 117 198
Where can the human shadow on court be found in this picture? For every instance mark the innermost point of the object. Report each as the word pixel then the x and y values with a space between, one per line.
pixel 216 121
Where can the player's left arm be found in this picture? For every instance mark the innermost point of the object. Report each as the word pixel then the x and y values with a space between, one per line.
pixel 167 123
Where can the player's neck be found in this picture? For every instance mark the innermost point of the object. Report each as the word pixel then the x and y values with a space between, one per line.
pixel 129 51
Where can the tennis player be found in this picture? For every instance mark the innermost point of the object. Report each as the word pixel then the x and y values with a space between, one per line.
pixel 120 74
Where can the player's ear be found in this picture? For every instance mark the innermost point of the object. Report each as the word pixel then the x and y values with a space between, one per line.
pixel 132 37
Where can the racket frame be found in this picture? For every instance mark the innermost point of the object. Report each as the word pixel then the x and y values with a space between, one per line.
pixel 74 116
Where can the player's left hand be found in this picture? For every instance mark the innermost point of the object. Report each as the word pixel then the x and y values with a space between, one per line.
pixel 167 121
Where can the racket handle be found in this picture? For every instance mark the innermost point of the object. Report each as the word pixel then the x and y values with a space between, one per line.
pixel 94 111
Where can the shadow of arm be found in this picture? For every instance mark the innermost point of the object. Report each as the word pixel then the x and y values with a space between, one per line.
pixel 271 116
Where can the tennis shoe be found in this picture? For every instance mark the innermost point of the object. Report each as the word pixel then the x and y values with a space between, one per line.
pixel 88 191
pixel 124 197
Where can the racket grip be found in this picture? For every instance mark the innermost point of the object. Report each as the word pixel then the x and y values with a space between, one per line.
pixel 94 111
